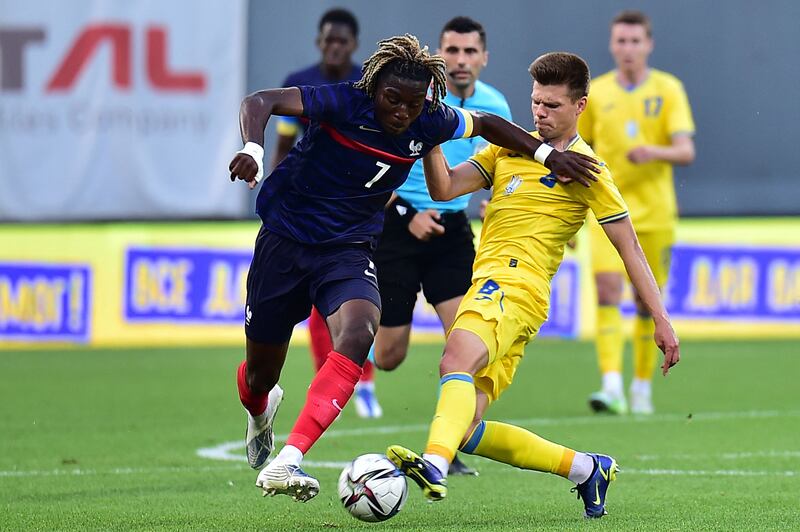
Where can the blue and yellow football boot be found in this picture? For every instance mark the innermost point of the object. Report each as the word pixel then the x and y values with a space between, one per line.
pixel 424 473
pixel 593 491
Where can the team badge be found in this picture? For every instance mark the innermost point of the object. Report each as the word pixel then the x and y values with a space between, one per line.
pixel 516 181
pixel 632 128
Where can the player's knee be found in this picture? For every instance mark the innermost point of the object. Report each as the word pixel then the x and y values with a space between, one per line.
pixel 456 362
pixel 354 341
pixel 390 358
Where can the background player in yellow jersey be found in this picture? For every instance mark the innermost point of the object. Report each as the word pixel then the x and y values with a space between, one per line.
pixel 638 120
pixel 530 218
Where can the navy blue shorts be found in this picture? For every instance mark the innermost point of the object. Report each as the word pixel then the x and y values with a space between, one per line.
pixel 287 277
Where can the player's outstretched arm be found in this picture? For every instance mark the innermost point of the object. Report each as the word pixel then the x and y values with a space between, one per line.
pixel 253 116
pixel 445 183
pixel 680 151
pixel 623 237
pixel 501 132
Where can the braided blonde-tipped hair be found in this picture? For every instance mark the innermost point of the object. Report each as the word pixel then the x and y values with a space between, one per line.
pixel 412 59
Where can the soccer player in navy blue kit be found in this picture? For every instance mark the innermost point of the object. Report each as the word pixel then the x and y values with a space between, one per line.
pixel 322 211
pixel 337 40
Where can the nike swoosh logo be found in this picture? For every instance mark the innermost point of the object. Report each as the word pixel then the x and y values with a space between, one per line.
pixel 365 128
pixel 603 474
pixel 335 404
pixel 367 272
pixel 596 493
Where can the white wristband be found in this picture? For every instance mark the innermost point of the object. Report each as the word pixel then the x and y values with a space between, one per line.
pixel 257 153
pixel 542 152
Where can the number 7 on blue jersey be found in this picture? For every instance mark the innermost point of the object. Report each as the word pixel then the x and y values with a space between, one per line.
pixel 383 169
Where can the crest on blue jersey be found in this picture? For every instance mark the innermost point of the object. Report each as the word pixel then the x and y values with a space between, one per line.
pixel 415 147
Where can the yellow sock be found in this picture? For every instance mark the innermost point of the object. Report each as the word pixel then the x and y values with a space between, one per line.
pixel 609 341
pixel 454 413
pixel 644 348
pixel 518 447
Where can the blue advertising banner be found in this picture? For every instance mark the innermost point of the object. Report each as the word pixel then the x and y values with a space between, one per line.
pixel 563 319
pixel 185 284
pixel 175 285
pixel 45 302
pixel 734 283
pixel 725 283
pixel 178 285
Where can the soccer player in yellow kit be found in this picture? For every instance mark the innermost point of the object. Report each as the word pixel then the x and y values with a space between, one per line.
pixel 531 216
pixel 639 121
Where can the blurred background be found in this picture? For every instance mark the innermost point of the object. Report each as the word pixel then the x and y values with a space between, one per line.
pixel 118 120
pixel 124 251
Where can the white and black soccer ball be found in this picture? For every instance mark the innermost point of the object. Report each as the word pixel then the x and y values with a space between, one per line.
pixel 372 489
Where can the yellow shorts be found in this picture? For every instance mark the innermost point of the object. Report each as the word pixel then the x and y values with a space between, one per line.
pixel 505 317
pixel 657 247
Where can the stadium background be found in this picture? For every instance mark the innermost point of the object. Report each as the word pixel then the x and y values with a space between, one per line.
pixel 125 154
pixel 119 228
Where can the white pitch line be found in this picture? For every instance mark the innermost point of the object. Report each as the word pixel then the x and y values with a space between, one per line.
pixel 15 473
pixel 497 468
pixel 724 456
pixel 710 473
pixel 223 451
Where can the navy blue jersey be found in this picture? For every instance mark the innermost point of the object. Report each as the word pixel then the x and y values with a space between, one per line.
pixel 291 126
pixel 333 185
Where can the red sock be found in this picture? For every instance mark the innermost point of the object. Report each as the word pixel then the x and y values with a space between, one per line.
pixel 255 403
pixel 321 344
pixel 320 337
pixel 329 392
pixel 369 372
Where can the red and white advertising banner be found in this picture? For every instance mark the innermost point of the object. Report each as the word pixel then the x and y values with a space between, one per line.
pixel 113 109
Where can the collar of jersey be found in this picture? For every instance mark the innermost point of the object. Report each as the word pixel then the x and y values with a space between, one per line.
pixel 570 144
pixel 630 88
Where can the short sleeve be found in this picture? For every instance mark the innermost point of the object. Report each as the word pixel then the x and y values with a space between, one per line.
pixel 447 123
pixel 288 126
pixel 328 103
pixel 604 199
pixel 679 113
pixel 485 161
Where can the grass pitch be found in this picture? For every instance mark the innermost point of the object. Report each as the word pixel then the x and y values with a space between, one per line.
pixel 109 440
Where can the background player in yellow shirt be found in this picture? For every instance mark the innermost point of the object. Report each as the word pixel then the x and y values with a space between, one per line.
pixel 639 121
pixel 528 221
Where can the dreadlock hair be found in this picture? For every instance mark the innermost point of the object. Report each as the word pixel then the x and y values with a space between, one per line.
pixel 403 57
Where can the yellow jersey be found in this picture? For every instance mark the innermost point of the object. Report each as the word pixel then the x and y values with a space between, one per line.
pixel 531 217
pixel 618 119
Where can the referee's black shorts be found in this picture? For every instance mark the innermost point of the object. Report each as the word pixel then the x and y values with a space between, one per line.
pixel 441 266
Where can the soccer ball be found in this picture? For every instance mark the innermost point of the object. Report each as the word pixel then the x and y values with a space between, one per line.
pixel 372 489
